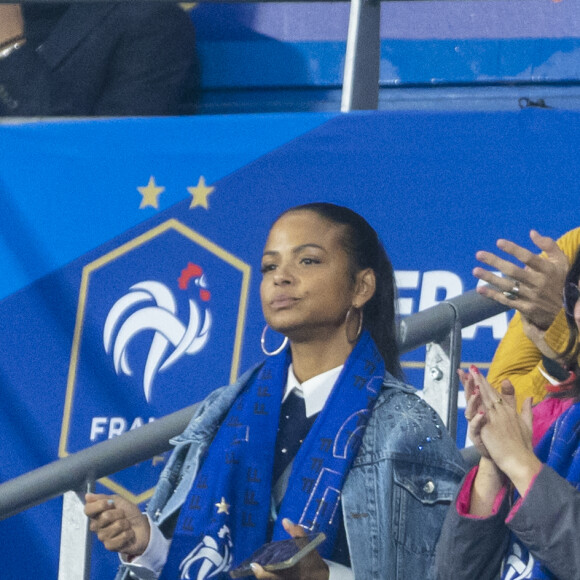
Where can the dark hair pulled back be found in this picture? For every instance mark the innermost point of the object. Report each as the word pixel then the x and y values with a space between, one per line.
pixel 572 350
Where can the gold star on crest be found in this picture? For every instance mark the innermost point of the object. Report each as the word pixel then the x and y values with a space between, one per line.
pixel 150 193
pixel 200 193
pixel 223 507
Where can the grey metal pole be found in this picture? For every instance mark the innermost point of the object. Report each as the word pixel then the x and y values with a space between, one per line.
pixel 433 324
pixel 74 562
pixel 72 473
pixel 360 86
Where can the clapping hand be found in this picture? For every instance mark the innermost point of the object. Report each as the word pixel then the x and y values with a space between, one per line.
pixel 504 434
pixel 474 413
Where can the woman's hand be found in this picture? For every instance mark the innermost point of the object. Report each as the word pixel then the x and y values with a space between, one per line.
pixel 311 567
pixel 473 411
pixel 540 281
pixel 489 479
pixel 507 435
pixel 118 523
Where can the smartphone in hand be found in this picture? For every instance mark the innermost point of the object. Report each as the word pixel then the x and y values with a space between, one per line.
pixel 279 555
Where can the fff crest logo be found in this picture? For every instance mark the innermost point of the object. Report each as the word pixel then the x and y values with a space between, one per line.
pixel 159 325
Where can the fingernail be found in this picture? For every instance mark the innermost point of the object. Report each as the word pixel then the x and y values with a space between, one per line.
pixel 474 370
pixel 253 566
pixel 288 522
pixel 111 502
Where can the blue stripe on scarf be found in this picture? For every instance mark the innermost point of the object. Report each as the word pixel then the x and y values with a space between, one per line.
pixel 225 517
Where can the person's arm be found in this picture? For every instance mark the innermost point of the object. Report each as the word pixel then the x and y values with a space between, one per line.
pixel 123 528
pixel 547 516
pixel 149 565
pixel 506 434
pixel 474 536
pixel 519 360
pixel 471 547
pixel 547 521
pixel 486 482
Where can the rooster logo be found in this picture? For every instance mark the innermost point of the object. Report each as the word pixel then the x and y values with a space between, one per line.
pixel 517 568
pixel 150 305
pixel 207 555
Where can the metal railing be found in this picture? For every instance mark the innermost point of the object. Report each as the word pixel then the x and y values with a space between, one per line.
pixel 433 326
pixel 439 328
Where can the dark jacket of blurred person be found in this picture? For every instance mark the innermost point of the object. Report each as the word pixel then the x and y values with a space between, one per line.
pixel 101 59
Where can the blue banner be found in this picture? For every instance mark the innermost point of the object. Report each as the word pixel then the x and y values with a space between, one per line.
pixel 130 254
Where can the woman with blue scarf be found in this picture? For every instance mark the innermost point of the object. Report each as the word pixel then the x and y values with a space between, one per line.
pixel 321 437
pixel 517 514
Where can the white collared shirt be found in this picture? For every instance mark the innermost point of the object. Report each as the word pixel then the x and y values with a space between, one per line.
pixel 314 391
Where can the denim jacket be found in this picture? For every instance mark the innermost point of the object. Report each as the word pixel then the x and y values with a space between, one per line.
pixel 395 496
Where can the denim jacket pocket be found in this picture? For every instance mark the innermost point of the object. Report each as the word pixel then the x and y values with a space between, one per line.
pixel 422 494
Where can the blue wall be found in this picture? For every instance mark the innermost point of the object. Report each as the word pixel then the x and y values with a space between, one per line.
pixel 75 236
pixel 290 56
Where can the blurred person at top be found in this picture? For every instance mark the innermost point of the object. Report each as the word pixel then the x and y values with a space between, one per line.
pixel 97 59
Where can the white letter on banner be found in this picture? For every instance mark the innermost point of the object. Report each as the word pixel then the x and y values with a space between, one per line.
pixel 406 279
pixel 117 426
pixel 497 323
pixel 97 427
pixel 439 280
pixel 138 422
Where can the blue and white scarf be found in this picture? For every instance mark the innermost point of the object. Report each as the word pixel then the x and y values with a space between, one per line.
pixel 225 517
pixel 558 449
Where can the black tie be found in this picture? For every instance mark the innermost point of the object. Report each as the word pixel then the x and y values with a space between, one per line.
pixel 293 426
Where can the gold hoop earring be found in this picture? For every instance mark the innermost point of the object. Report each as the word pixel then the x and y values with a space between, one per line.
pixel 360 323
pixel 263 344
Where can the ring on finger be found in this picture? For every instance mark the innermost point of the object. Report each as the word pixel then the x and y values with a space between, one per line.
pixel 514 293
